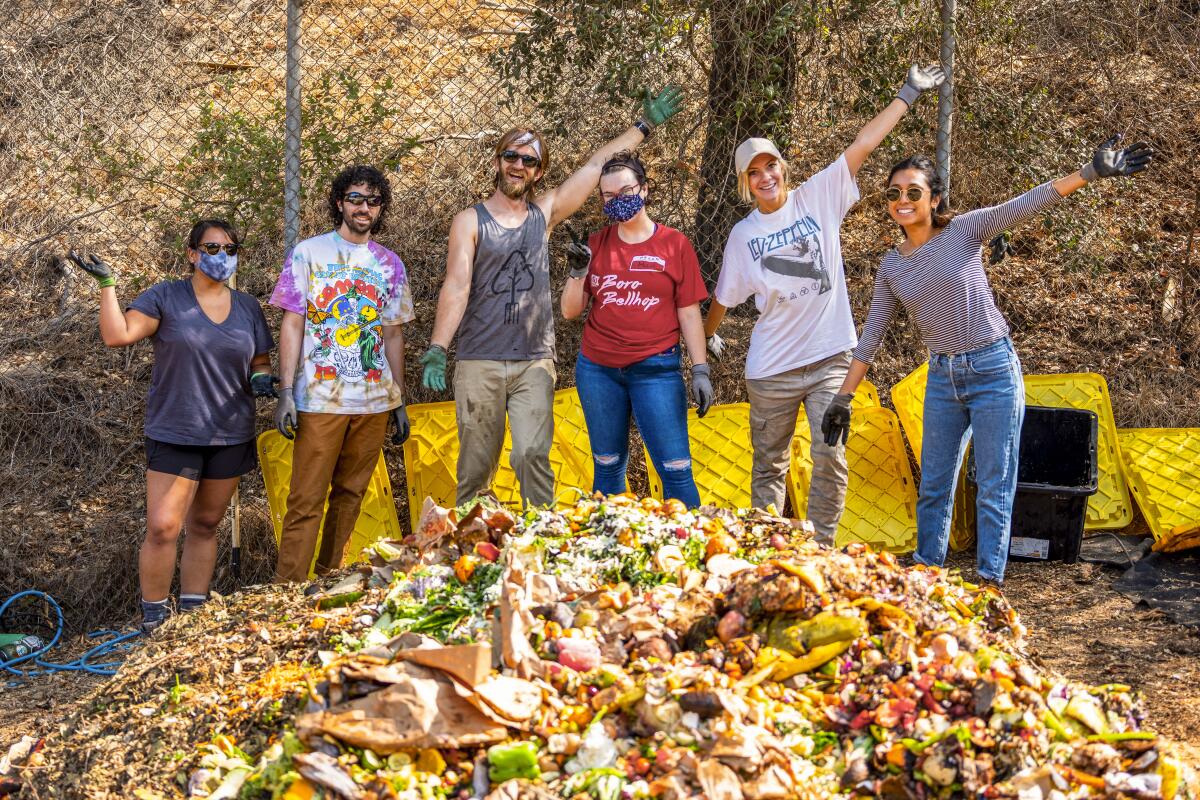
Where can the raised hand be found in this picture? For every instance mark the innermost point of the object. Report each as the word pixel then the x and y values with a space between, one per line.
pixel 1109 162
pixel 921 79
pixel 94 266
pixel 659 109
pixel 434 376
pixel 579 256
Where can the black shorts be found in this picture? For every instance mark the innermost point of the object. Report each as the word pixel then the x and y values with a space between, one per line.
pixel 196 462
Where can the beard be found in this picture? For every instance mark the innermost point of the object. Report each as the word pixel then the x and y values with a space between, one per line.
pixel 514 189
pixel 359 226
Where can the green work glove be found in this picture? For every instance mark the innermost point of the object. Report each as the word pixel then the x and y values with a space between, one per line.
pixel 95 267
pixel 434 376
pixel 263 384
pixel 836 422
pixel 657 110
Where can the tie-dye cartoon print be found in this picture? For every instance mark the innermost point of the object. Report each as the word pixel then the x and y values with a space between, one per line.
pixel 346 293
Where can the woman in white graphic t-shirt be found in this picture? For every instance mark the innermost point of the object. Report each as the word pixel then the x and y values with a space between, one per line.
pixel 786 254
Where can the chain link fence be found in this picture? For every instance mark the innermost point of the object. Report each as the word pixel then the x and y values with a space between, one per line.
pixel 123 121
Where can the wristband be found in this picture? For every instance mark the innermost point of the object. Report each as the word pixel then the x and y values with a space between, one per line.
pixel 645 127
pixel 578 274
pixel 254 375
pixel 108 281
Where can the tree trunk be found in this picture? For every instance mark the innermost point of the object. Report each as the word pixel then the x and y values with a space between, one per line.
pixel 751 87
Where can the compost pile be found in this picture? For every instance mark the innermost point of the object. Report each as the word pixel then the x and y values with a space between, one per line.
pixel 628 649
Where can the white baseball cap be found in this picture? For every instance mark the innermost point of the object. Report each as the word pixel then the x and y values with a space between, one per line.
pixel 747 150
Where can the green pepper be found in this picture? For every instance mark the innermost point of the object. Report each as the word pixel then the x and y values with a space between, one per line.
pixel 515 760
pixel 1128 736
pixel 339 600
pixel 1051 721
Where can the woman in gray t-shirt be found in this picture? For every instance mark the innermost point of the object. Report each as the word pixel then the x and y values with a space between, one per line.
pixel 211 358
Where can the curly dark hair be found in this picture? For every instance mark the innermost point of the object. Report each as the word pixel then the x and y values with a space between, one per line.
pixel 924 164
pixel 359 173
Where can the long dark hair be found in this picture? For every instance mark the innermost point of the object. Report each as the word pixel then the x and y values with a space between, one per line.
pixel 203 226
pixel 359 173
pixel 924 164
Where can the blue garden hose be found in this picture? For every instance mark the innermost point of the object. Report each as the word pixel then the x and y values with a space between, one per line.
pixel 116 642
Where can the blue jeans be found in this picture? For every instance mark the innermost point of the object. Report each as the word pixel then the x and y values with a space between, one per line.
pixel 652 390
pixel 978 394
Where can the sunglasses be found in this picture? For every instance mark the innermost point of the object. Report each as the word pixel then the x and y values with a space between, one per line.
pixel 212 249
pixel 512 157
pixel 356 199
pixel 913 193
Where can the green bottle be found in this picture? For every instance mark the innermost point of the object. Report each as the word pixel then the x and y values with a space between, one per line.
pixel 15 646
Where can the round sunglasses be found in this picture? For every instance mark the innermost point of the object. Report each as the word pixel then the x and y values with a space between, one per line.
pixel 913 193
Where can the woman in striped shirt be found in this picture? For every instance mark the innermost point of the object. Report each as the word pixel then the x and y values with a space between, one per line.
pixel 975 386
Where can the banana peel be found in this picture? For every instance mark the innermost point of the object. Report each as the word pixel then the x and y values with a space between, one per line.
pixel 799 638
pixel 783 665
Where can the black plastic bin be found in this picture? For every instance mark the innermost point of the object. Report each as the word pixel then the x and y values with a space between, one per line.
pixel 1056 474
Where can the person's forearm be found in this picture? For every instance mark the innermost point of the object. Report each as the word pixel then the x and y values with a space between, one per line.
pixel 261 363
pixel 393 351
pixel 291 333
pixel 452 304
pixel 716 313
pixel 574 299
pixel 1069 183
pixel 873 133
pixel 693 333
pixel 854 376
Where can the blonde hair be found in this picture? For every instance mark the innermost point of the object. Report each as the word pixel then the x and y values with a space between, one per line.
pixel 743 182
pixel 524 136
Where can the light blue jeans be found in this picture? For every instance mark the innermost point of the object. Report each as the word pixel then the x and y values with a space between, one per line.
pixel 976 395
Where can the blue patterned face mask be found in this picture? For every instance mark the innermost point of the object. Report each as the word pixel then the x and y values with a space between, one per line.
pixel 219 267
pixel 624 207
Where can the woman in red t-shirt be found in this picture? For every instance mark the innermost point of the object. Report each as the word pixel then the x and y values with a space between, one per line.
pixel 644 286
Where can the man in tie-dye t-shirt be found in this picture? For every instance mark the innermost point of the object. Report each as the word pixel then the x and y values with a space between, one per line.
pixel 341 362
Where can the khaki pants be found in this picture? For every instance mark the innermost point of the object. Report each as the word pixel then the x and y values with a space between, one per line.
pixel 335 454
pixel 774 405
pixel 483 392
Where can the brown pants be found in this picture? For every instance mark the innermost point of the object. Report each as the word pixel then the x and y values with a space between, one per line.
pixel 335 455
pixel 483 392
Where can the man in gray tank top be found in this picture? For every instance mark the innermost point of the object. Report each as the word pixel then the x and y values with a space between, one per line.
pixel 496 296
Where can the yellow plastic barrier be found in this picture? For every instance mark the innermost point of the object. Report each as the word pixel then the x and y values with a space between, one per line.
pixel 377 519
pixel 1162 467
pixel 431 455
pixel 721 456
pixel 881 498
pixel 1110 506
pixel 908 396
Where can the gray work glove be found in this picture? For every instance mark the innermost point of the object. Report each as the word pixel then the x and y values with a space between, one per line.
pixel 920 80
pixel 287 419
pixel 716 346
pixel 1110 163
pixel 836 422
pixel 403 429
pixel 702 389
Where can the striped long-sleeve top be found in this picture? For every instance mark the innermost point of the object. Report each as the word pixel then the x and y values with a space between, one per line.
pixel 943 285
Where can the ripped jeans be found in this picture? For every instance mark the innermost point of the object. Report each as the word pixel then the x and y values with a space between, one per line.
pixel 652 391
